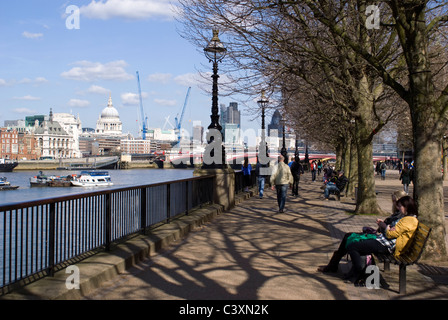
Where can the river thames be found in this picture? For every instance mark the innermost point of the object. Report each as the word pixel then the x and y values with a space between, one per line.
pixel 120 178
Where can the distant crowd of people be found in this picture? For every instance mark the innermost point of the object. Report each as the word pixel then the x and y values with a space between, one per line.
pixel 286 175
pixel 406 171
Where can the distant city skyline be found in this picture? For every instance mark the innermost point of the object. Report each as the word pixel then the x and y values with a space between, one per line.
pixel 45 63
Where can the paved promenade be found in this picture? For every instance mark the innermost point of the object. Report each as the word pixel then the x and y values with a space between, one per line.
pixel 255 253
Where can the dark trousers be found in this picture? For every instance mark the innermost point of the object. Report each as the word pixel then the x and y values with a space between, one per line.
pixel 247 180
pixel 295 186
pixel 281 195
pixel 363 248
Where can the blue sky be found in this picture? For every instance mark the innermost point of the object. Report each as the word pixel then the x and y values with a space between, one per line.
pixel 44 64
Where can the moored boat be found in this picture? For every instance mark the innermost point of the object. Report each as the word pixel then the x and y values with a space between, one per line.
pixel 5 185
pixel 7 166
pixel 92 179
pixel 42 180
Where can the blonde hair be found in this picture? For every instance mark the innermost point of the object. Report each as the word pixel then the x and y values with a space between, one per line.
pixel 398 195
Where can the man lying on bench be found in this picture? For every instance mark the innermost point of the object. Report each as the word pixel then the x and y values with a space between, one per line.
pixel 336 185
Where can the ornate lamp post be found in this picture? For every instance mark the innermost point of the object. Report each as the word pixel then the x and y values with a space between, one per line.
pixel 215 52
pixel 262 103
pixel 283 151
pixel 297 154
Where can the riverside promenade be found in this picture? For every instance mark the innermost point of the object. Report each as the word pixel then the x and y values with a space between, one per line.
pixel 248 253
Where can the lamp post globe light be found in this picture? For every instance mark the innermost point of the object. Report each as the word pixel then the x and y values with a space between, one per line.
pixel 215 52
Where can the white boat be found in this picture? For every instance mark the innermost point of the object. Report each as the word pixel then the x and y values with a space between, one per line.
pixel 92 179
pixel 4 182
pixel 5 185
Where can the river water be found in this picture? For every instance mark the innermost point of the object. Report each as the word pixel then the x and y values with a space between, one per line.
pixel 120 178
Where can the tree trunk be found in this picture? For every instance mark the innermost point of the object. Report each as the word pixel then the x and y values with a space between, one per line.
pixel 428 129
pixel 366 201
pixel 353 170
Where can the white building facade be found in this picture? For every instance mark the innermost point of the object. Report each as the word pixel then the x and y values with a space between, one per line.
pixel 109 122
pixel 54 141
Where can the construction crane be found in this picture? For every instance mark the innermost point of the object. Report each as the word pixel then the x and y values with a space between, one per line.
pixel 178 126
pixel 144 118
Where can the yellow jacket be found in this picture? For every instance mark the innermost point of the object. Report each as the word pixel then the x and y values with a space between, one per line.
pixel 404 231
pixel 282 174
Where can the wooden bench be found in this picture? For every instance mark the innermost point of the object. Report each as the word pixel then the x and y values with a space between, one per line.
pixel 409 257
pixel 338 193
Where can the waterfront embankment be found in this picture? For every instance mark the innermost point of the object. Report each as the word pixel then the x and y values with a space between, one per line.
pixel 76 164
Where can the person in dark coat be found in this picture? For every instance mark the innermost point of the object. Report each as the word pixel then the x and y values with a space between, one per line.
pixel 296 170
pixel 405 178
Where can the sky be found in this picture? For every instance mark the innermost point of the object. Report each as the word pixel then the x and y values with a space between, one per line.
pixel 71 55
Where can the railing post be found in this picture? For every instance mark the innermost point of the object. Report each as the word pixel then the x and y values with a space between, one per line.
pixel 51 239
pixel 143 209
pixel 108 221
pixel 186 197
pixel 168 203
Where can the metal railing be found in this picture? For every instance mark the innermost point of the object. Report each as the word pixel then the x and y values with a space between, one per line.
pixel 38 237
pixel 239 181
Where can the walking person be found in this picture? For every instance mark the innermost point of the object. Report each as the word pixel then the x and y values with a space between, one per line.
pixel 262 174
pixel 383 171
pixel 296 170
pixel 319 167
pixel 405 177
pixel 281 178
pixel 313 170
pixel 247 171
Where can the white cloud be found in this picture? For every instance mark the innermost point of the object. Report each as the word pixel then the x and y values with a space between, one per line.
pixel 98 90
pixel 30 35
pixel 165 102
pixel 27 98
pixel 76 103
pixel 132 99
pixel 189 79
pixel 24 111
pixel 128 9
pixel 3 83
pixel 162 78
pixel 37 81
pixel 94 71
pixel 40 80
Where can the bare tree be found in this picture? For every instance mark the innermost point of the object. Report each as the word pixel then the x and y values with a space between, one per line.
pixel 416 23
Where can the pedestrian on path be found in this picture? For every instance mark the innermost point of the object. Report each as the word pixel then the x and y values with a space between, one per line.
pixel 261 173
pixel 247 171
pixel 281 179
pixel 296 170
pixel 405 177
pixel 383 170
pixel 313 170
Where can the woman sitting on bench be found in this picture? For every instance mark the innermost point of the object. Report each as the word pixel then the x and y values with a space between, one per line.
pixel 393 241
pixel 391 221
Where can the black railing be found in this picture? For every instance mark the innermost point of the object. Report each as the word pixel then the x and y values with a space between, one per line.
pixel 239 181
pixel 38 237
